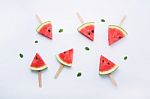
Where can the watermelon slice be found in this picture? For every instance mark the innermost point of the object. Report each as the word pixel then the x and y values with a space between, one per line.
pixel 38 64
pixel 106 66
pixel 115 33
pixel 65 57
pixel 45 29
pixel 87 30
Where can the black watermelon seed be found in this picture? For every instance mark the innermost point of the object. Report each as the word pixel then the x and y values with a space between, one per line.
pixel 103 61
pixel 36 57
pixel 60 30
pixel 119 37
pixel 79 74
pixel 87 48
pixel 21 55
pixel 125 58
pixel 102 20
pixel 36 41
pixel 92 31
pixel 108 63
pixel 49 30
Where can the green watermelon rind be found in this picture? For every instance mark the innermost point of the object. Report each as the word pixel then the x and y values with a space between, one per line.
pixel 38 69
pixel 62 62
pixel 109 71
pixel 119 28
pixel 42 24
pixel 84 25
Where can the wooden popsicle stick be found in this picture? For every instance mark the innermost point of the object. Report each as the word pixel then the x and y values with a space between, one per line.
pixel 112 79
pixel 80 18
pixel 40 79
pixel 122 20
pixel 38 18
pixel 59 70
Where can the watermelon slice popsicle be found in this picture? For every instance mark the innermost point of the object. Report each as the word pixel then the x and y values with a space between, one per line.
pixel 38 65
pixel 45 28
pixel 65 58
pixel 116 33
pixel 106 67
pixel 86 29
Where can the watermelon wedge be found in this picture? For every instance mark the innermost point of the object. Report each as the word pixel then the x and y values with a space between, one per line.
pixel 45 29
pixel 38 64
pixel 87 30
pixel 106 66
pixel 115 33
pixel 65 57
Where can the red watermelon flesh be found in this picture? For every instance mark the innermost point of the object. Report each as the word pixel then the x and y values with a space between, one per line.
pixel 106 66
pixel 38 63
pixel 87 30
pixel 66 57
pixel 115 33
pixel 45 29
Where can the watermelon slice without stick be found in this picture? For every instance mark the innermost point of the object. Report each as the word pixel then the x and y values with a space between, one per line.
pixel 87 29
pixel 45 29
pixel 65 58
pixel 38 65
pixel 106 67
pixel 115 33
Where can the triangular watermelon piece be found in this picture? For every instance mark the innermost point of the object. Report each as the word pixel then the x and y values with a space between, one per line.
pixel 115 33
pixel 38 63
pixel 87 30
pixel 45 29
pixel 106 66
pixel 65 57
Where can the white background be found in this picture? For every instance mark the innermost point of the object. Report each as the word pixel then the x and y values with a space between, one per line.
pixel 17 35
